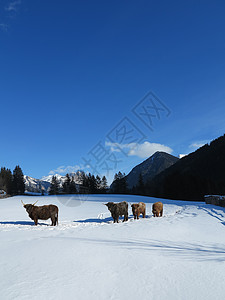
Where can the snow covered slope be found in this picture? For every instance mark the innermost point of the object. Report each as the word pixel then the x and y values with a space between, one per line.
pixel 61 178
pixel 178 256
pixel 36 185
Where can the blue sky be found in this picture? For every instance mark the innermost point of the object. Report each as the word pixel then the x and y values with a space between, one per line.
pixel 72 72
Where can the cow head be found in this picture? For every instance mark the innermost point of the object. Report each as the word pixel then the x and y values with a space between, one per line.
pixel 110 205
pixel 135 208
pixel 29 207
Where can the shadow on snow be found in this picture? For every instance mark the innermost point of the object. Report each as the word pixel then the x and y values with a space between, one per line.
pixel 108 219
pixel 215 212
pixel 26 223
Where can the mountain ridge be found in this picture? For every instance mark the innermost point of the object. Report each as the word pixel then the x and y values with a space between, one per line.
pixel 193 176
pixel 150 167
pixel 33 185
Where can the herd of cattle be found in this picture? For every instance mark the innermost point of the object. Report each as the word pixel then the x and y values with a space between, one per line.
pixel 117 210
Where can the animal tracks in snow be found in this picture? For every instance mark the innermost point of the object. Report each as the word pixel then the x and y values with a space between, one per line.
pixel 172 213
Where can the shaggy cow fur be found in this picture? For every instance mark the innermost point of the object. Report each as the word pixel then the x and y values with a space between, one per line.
pixel 118 210
pixel 42 212
pixel 137 209
pixel 157 209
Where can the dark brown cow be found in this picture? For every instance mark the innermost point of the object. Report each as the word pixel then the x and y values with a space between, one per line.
pixel 137 209
pixel 42 212
pixel 118 210
pixel 157 209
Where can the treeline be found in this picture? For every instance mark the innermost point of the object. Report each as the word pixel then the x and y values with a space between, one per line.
pixel 88 184
pixel 119 185
pixel 12 183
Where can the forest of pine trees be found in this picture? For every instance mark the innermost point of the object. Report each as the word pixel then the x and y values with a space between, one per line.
pixel 69 186
pixel 12 183
pixel 90 184
pixel 119 185
pixel 55 186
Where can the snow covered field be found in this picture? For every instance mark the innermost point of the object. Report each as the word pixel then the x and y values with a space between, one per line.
pixel 178 256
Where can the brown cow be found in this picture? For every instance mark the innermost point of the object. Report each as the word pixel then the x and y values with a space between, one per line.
pixel 42 212
pixel 157 209
pixel 118 210
pixel 137 209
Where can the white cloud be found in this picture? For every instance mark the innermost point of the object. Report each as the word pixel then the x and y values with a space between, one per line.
pixel 143 150
pixel 65 170
pixel 198 144
pixel 194 146
pixel 13 6
pixel 182 155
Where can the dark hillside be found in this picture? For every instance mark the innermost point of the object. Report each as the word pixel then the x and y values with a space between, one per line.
pixel 201 172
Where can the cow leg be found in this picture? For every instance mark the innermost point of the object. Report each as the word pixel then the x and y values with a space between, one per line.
pixel 143 214
pixel 35 221
pixel 55 220
pixel 161 213
pixel 138 216
pixel 125 217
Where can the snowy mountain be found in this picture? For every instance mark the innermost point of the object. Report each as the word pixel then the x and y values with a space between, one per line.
pixel 149 168
pixel 61 178
pixel 33 185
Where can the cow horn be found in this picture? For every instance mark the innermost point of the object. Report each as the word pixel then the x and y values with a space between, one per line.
pixel 22 203
pixel 35 202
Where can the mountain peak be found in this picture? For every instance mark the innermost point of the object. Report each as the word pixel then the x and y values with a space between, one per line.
pixel 35 185
pixel 149 168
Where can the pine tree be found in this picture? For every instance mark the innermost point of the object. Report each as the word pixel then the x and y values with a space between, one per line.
pixel 84 180
pixel 84 187
pixel 115 184
pixel 54 187
pixel 98 184
pixel 18 183
pixel 141 186
pixel 92 184
pixel 119 185
pixel 72 189
pixel 104 185
pixel 66 185
pixel 6 179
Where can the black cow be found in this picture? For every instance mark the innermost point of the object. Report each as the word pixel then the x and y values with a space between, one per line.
pixel 118 210
pixel 42 212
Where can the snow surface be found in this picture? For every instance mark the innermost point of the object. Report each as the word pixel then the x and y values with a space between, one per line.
pixel 178 256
